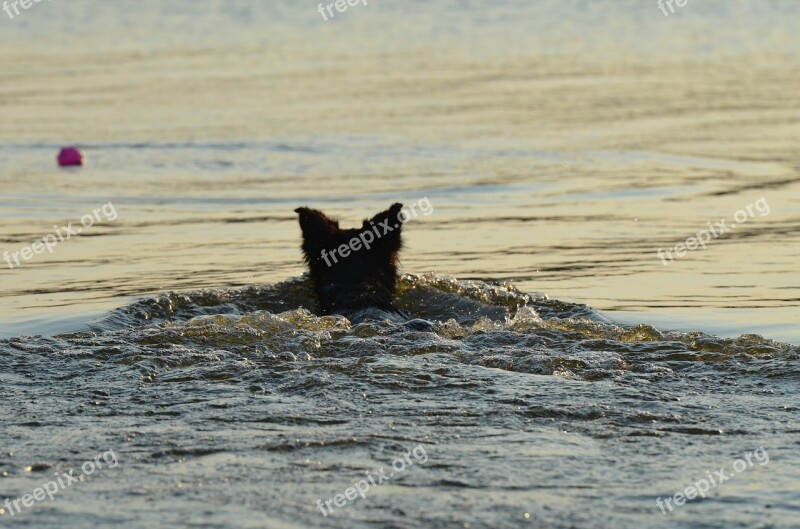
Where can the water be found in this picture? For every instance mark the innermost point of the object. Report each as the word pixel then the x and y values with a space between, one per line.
pixel 571 378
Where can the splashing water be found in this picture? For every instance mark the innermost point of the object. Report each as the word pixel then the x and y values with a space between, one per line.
pixel 243 407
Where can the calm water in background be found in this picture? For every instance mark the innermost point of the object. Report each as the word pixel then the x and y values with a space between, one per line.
pixel 560 143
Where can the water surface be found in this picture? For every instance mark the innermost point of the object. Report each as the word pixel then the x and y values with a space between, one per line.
pixel 572 375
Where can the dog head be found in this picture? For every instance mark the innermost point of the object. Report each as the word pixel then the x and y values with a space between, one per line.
pixel 352 268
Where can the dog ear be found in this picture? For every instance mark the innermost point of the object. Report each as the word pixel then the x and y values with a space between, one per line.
pixel 318 232
pixel 392 214
pixel 315 224
pixel 389 225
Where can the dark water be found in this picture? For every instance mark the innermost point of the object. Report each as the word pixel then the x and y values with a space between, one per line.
pixel 239 408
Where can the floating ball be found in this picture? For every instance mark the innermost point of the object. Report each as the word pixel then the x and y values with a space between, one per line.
pixel 70 156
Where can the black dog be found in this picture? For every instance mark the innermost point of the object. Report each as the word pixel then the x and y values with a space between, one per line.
pixel 354 270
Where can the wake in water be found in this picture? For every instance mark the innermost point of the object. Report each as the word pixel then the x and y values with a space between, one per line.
pixel 210 398
pixel 476 322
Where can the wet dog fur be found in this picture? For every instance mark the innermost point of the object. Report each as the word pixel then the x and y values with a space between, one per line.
pixel 361 285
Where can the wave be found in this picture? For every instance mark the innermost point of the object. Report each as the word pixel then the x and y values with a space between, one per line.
pixel 225 334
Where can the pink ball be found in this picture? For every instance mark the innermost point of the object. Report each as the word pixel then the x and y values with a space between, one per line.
pixel 70 156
